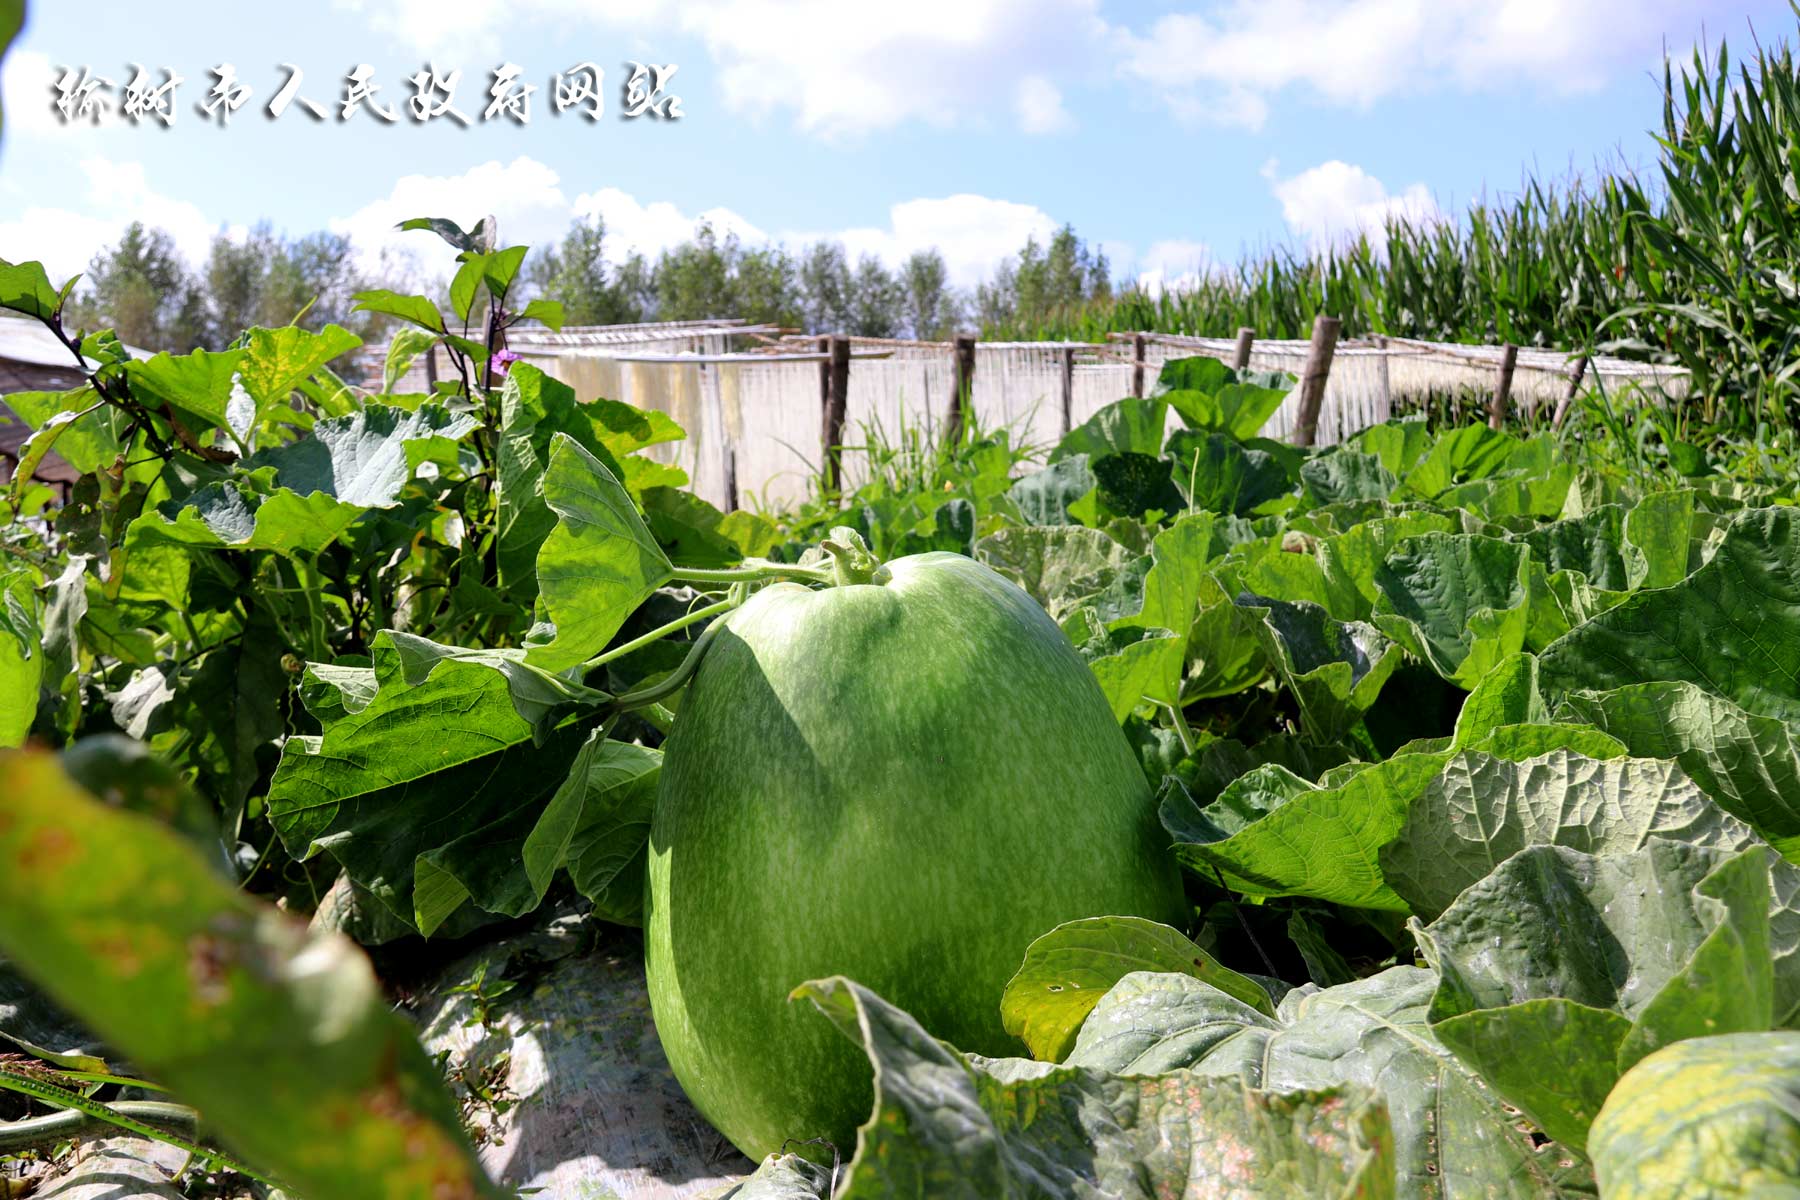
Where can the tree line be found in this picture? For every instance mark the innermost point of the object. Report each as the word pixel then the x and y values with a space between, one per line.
pixel 144 288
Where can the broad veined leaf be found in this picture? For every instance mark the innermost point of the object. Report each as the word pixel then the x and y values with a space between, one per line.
pixel 1334 669
pixel 1457 601
pixel 25 288
pixel 1458 456
pixel 276 360
pixel 221 997
pixel 1067 970
pixel 428 792
pixel 361 459
pixel 416 309
pixel 947 1126
pixel 89 443
pixel 1560 970
pixel 597 826
pixel 1135 484
pixel 1130 425
pixel 1452 1137
pixel 228 516
pixel 1346 475
pixel 1217 473
pixel 1732 626
pixel 1710 1116
pixel 1482 809
pixel 1058 564
pixel 1749 764
pixel 1044 497
pixel 21 654
pixel 598 564
pixel 197 386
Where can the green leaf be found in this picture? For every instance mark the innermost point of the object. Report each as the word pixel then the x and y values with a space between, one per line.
pixel 21 655
pixel 406 345
pixel 597 825
pixel 1448 1130
pixel 598 564
pixel 1716 1116
pixel 1134 484
pixel 1482 809
pixel 1060 566
pixel 1335 670
pixel 1732 627
pixel 1216 473
pixel 1067 970
pixel 1459 602
pixel 687 527
pixel 477 240
pixel 1459 456
pixel 222 516
pixel 276 360
pixel 90 443
pixel 429 792
pixel 468 277
pixel 1124 426
pixel 944 1126
pixel 1667 942
pixel 25 288
pixel 414 309
pixel 1043 498
pixel 198 386
pixel 1749 764
pixel 361 459
pixel 548 312
pixel 1345 475
pixel 221 997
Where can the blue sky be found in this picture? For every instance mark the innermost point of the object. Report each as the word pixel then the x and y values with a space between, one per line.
pixel 1173 132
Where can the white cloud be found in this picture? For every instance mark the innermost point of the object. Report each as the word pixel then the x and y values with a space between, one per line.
pixel 1038 103
pixel 25 88
pixel 649 229
pixel 838 71
pixel 524 196
pixel 1224 66
pixel 118 193
pixel 1335 201
pixel 1173 265
pixel 972 232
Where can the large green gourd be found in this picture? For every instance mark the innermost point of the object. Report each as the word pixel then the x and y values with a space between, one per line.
pixel 904 782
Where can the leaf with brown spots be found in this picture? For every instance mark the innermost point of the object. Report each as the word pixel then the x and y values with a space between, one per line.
pixel 280 1036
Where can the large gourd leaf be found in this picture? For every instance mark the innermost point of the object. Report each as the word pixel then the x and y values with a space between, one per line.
pixel 1345 475
pixel 1560 970
pixel 1044 497
pixel 1334 669
pixel 361 458
pixel 1749 764
pixel 1712 1116
pixel 958 1128
pixel 1482 809
pixel 1067 970
pixel 1452 1137
pixel 1732 627
pixel 428 793
pixel 1132 426
pixel 224 999
pixel 600 561
pixel 1460 602
pixel 1217 473
pixel 1059 565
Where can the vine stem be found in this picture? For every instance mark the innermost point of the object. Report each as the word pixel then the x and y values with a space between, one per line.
pixel 49 1093
pixel 755 574
pixel 638 643
pixel 657 692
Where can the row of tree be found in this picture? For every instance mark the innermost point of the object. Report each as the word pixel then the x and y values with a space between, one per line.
pixel 144 288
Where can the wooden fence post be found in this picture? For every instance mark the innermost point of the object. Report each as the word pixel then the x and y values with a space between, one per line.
pixel 1509 358
pixel 1383 384
pixel 1314 376
pixel 835 374
pixel 965 389
pixel 1068 388
pixel 1240 357
pixel 1137 369
pixel 1562 408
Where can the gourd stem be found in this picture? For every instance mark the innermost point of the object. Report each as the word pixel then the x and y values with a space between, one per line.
pixel 657 692
pixel 1183 730
pixel 675 626
pixel 754 574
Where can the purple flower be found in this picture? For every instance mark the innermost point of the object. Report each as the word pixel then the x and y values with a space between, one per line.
pixel 500 362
